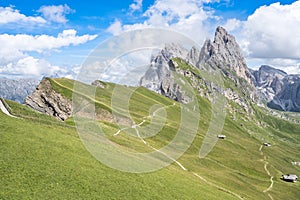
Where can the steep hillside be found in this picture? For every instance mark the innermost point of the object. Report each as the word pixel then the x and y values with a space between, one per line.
pixel 190 103
pixel 44 158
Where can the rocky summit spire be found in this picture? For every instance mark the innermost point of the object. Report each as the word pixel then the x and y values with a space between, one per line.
pixel 225 53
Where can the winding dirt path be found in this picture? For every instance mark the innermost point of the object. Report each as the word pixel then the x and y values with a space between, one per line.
pixel 219 187
pixel 134 126
pixel 138 134
pixel 268 172
pixel 174 160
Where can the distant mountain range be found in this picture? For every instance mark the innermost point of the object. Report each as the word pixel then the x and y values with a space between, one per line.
pixel 278 89
pixel 268 85
pixel 18 89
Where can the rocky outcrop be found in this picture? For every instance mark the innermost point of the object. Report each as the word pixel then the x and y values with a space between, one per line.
pixel 17 89
pixel 46 100
pixel 278 89
pixel 98 83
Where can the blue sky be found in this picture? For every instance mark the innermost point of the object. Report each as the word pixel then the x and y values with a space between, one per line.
pixel 54 37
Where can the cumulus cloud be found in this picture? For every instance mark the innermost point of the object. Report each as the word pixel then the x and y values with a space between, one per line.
pixel 11 15
pixel 115 28
pixel 232 24
pixel 30 66
pixel 270 36
pixel 39 43
pixel 136 5
pixel 56 13
pixel 185 16
pixel 273 31
pixel 15 50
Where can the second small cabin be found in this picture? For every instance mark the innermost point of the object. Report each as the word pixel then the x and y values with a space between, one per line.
pixel 290 177
pixel 222 137
pixel 267 144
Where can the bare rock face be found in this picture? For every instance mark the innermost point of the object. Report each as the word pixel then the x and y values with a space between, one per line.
pixel 269 82
pixel 45 100
pixel 225 53
pixel 280 90
pixel 288 98
pixel 159 76
pixel 193 56
pixel 160 66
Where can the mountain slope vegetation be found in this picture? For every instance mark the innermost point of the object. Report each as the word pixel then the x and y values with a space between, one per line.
pixel 45 158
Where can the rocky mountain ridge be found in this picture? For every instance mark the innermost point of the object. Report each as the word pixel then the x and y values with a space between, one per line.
pixel 223 53
pixel 243 86
pixel 278 89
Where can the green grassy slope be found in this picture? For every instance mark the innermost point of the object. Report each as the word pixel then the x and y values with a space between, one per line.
pixel 44 158
pixel 42 161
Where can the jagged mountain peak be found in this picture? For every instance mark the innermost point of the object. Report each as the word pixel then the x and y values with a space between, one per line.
pixel 275 87
pixel 193 56
pixel 225 53
pixel 222 36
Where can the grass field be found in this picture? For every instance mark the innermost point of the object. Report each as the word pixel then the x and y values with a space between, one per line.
pixel 42 158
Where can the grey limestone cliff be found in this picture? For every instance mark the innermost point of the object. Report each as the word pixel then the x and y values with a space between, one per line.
pixel 223 53
pixel 278 89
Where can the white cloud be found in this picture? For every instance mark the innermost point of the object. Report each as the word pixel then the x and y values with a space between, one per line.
pixel 232 24
pixel 11 15
pixel 39 43
pixel 270 36
pixel 136 5
pixel 273 31
pixel 15 50
pixel 185 16
pixel 30 66
pixel 115 28
pixel 172 17
pixel 56 13
pixel 293 69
